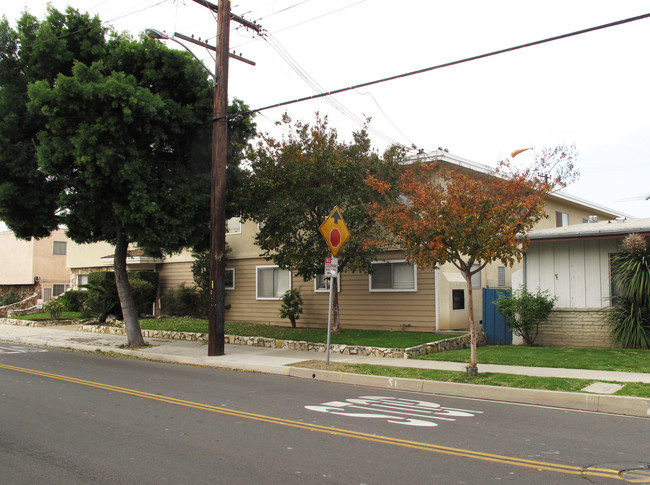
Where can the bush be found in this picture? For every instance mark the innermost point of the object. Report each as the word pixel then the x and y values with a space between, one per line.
pixel 73 300
pixel 291 307
pixel 524 311
pixel 184 302
pixel 55 308
pixel 144 295
pixel 103 298
pixel 629 315
pixel 12 297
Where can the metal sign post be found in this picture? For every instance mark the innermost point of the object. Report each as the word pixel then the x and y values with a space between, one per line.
pixel 331 270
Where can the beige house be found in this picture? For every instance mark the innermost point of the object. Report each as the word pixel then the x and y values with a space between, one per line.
pixel 572 263
pixel 397 296
pixel 34 266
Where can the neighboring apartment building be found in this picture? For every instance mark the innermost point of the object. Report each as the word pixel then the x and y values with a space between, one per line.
pixel 37 265
pixel 397 296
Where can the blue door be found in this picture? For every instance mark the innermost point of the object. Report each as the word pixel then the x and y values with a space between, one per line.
pixel 494 324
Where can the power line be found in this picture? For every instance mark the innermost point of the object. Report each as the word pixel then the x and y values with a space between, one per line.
pixel 461 61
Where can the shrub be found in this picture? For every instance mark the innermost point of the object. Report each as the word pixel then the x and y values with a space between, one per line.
pixel 629 315
pixel 144 295
pixel 55 308
pixel 291 307
pixel 524 311
pixel 12 297
pixel 73 300
pixel 184 301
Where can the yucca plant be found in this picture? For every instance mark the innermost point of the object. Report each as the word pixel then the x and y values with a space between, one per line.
pixel 629 315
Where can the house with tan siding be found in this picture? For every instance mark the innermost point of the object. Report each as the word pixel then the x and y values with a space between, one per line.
pixel 397 296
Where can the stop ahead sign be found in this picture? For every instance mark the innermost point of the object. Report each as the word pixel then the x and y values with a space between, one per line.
pixel 335 231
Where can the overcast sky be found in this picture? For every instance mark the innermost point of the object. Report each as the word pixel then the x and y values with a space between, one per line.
pixel 592 90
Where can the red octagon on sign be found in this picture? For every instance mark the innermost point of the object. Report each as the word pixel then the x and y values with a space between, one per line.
pixel 335 237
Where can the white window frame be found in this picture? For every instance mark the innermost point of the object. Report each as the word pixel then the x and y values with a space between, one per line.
pixel 562 218
pixel 80 284
pixel 233 279
pixel 65 286
pixel 326 290
pixel 257 282
pixel 395 290
pixel 231 222
pixel 60 244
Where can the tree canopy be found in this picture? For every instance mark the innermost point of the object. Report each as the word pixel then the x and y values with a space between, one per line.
pixel 470 219
pixel 293 185
pixel 117 146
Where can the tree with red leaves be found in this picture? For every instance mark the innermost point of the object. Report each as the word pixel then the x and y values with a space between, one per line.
pixel 471 219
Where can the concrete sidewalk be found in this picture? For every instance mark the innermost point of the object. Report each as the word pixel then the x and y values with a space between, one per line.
pixel 280 361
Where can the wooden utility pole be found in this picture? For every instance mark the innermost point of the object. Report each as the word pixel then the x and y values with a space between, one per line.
pixel 217 293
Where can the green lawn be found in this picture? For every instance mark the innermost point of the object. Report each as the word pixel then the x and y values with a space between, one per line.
pixel 624 360
pixel 46 316
pixel 371 338
pixel 634 389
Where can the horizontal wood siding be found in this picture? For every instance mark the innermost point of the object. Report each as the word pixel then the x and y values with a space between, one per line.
pixel 173 275
pixel 359 307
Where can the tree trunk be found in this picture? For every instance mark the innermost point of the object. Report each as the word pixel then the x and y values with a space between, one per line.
pixel 336 321
pixel 129 311
pixel 472 368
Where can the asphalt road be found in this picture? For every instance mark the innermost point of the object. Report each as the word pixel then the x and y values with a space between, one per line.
pixel 74 418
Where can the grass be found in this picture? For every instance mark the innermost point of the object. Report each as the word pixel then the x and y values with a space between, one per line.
pixel 622 360
pixel 636 389
pixel 372 338
pixel 46 316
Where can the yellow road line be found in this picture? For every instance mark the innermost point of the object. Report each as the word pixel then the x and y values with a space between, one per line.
pixel 477 455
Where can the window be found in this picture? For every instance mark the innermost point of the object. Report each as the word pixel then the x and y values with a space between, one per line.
pixel 393 276
pixel 59 289
pixel 229 279
pixel 322 283
pixel 59 247
pixel 82 281
pixel 272 282
pixel 233 225
pixel 458 299
pixel 561 219
pixel 501 275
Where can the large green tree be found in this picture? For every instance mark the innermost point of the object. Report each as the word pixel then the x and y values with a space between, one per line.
pixel 294 184
pixel 119 144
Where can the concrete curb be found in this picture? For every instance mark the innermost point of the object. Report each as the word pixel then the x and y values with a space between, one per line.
pixel 628 406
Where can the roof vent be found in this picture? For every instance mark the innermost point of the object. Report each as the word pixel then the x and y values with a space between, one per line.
pixel 593 219
pixel 621 219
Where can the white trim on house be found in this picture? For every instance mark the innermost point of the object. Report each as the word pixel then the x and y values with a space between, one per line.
pixel 393 289
pixel 257 283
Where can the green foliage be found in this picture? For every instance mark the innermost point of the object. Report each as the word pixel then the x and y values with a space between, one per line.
pixel 74 301
pixel 185 301
pixel 629 315
pixel 12 297
pixel 295 183
pixel 144 295
pixel 525 311
pixel 109 137
pixel 55 308
pixel 291 307
pixel 201 270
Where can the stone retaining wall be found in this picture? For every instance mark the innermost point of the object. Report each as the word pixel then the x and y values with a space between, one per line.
pixel 453 343
pixel 429 348
pixel 19 306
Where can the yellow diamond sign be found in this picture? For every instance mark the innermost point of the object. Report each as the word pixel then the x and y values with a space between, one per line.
pixel 335 231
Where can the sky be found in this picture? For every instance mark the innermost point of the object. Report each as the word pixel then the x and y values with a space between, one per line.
pixel 591 90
